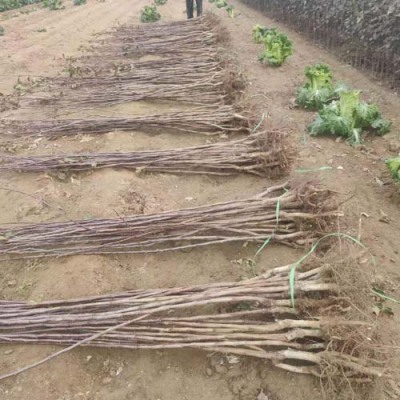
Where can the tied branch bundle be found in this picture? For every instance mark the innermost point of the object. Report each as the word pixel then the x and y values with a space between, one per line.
pixel 254 317
pixel 202 79
pixel 167 66
pixel 197 83
pixel 207 121
pixel 294 217
pixel 165 29
pixel 174 44
pixel 193 42
pixel 207 91
pixel 195 38
pixel 151 72
pixel 260 154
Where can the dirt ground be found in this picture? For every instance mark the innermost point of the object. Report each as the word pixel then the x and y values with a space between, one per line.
pixel 370 205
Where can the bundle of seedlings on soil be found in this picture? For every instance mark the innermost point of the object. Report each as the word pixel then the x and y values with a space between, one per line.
pixel 260 154
pixel 79 2
pixel 159 38
pixel 199 45
pixel 85 73
pixel 149 14
pixel 309 324
pixel 197 82
pixel 161 29
pixel 160 2
pixel 219 87
pixel 349 117
pixel 169 71
pixel 394 167
pixel 277 48
pixel 89 67
pixel 292 216
pixel 206 121
pixel 200 93
pixel 151 79
pixel 319 89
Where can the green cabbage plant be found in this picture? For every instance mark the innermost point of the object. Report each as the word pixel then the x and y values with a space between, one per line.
pixel 231 11
pixel 277 48
pixel 349 117
pixel 259 33
pixel 394 167
pixel 149 14
pixel 221 3
pixel 53 4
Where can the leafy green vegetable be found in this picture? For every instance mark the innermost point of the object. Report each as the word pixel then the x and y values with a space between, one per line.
pixel 277 48
pixel 319 88
pixel 259 32
pixel 160 2
pixel 349 117
pixel 149 14
pixel 394 167
pixel 13 4
pixel 53 4
pixel 221 3
pixel 231 11
pixel 1 31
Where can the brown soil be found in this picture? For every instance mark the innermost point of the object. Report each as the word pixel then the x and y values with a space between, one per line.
pixel 86 374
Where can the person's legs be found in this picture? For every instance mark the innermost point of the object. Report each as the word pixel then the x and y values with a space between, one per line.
pixel 199 7
pixel 189 8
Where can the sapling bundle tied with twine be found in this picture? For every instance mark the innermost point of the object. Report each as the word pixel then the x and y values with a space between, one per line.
pixel 303 328
pixel 292 216
pixel 261 154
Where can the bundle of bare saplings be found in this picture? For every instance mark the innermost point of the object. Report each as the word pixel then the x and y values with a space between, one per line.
pixel 221 83
pixel 254 317
pixel 196 38
pixel 204 120
pixel 260 154
pixel 292 216
pixel 207 91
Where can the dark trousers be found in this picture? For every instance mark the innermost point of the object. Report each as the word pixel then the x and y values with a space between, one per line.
pixel 189 8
